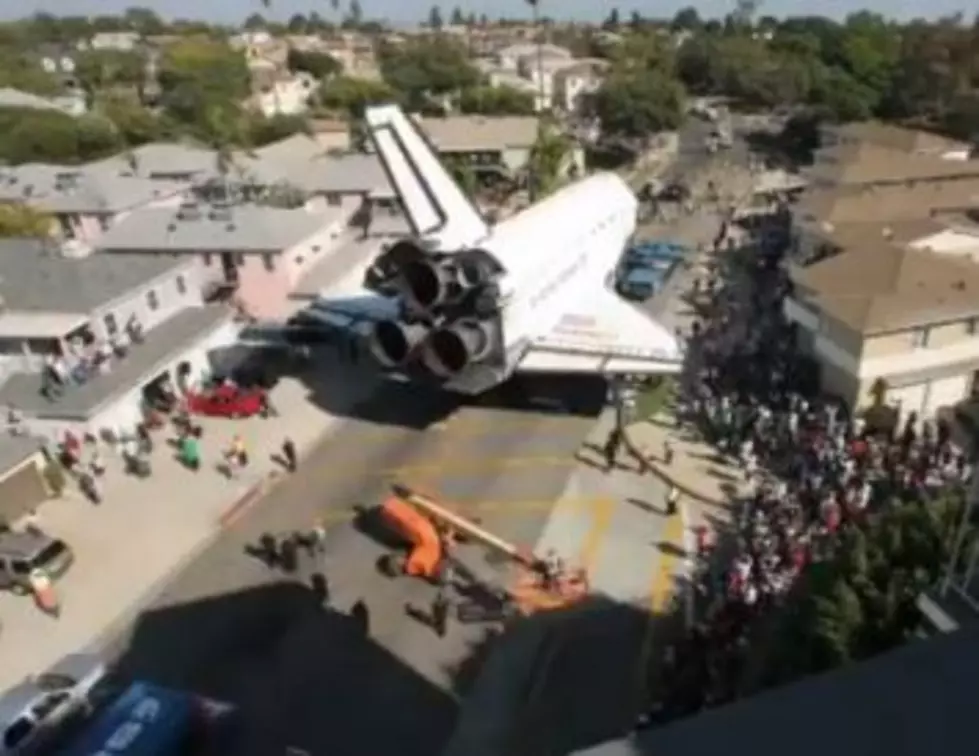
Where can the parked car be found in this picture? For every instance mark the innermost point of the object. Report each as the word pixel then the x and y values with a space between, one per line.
pixel 665 250
pixel 35 714
pixel 638 283
pixel 22 551
pixel 227 401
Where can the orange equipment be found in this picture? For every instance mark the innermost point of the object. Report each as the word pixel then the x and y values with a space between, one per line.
pixel 425 559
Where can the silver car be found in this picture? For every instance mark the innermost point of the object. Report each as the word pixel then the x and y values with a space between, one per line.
pixel 35 713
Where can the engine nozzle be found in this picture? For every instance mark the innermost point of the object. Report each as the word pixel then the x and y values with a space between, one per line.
pixel 451 350
pixel 392 343
pixel 430 283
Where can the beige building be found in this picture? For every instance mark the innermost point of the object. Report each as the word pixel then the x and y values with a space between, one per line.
pixel 885 268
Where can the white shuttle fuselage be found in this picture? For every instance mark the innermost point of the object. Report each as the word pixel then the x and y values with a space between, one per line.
pixel 465 304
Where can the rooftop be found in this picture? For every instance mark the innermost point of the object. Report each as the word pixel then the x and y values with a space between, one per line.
pixel 477 133
pixel 69 189
pixel 194 227
pixel 15 449
pixel 14 98
pixel 865 162
pixel 159 160
pixel 897 137
pixel 35 277
pixel 914 701
pixel 161 345
pixel 877 286
pixel 885 203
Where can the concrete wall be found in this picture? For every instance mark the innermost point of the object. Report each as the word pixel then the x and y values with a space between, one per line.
pixel 166 293
pixel 265 282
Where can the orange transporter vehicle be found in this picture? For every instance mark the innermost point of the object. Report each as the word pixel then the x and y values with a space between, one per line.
pixel 430 530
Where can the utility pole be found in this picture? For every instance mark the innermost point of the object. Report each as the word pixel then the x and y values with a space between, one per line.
pixel 541 93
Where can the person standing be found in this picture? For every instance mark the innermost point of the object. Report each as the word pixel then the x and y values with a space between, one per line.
pixel 440 614
pixel 611 448
pixel 289 455
pixel 673 501
pixel 45 597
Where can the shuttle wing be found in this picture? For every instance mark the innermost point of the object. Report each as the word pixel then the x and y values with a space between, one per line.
pixel 605 335
pixel 433 202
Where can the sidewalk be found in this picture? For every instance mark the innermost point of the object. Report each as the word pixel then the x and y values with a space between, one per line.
pixel 145 530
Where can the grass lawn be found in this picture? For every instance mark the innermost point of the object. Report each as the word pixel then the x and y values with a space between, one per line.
pixel 652 399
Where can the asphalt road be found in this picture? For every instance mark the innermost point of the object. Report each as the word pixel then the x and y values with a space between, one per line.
pixel 232 628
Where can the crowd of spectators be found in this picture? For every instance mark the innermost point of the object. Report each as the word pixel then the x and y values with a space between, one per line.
pixel 813 469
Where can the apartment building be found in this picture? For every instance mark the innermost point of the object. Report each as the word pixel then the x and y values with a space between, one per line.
pixel 83 339
pixel 255 252
pixel 492 144
pixel 84 202
pixel 890 323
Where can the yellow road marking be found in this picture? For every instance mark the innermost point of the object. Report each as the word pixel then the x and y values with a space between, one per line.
pixel 602 511
pixel 451 465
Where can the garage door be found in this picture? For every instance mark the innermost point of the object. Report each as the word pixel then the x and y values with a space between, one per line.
pixel 907 399
pixel 21 492
pixel 946 392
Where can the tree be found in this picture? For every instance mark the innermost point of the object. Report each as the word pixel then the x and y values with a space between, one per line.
pixel 686 19
pixel 435 20
pixel 134 124
pixel 297 24
pixel 260 130
pixel 548 160
pixel 612 21
pixel 18 220
pixel 635 105
pixel 457 18
pixel 255 21
pixel 199 75
pixel 425 68
pixel 18 71
pixel 355 15
pixel 352 95
pixel 98 70
pixel 501 100
pixel 863 600
pixel 46 136
pixel 316 64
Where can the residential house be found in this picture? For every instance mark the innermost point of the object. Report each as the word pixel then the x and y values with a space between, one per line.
pixel 530 68
pixel 572 82
pixel 890 323
pixel 160 161
pixel 515 56
pixel 84 202
pixel 355 52
pixel 124 41
pixel 489 143
pixel 118 324
pixel 68 104
pixel 894 138
pixel 331 134
pixel 277 91
pixel 870 184
pixel 258 251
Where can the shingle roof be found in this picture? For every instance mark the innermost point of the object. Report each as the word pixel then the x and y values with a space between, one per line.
pixel 864 162
pixel 884 203
pixel 876 287
pixel 474 133
pixel 897 137
pixel 73 189
pixel 35 277
pixel 162 344
pixel 243 227
pixel 159 159
pixel 918 700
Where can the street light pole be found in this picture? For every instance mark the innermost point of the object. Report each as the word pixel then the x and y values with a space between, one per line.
pixel 535 15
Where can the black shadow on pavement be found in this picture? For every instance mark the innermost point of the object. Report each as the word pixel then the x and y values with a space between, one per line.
pixel 580 395
pixel 300 674
pixel 553 683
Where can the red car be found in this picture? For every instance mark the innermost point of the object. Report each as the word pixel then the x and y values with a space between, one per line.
pixel 227 401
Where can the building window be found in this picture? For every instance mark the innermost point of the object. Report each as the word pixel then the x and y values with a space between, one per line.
pixel 268 260
pixel 181 285
pixel 919 338
pixel 111 326
pixel 152 301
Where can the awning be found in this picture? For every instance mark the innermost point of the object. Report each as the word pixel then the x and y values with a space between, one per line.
pixel 144 721
pixel 38 325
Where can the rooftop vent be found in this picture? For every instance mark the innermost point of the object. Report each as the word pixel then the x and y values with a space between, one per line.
pixel 230 227
pixel 189 213
pixel 172 227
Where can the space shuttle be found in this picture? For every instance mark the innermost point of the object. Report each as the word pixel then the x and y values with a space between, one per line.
pixel 464 304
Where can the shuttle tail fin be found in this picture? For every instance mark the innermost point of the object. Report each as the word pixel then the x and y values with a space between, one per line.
pixel 433 202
